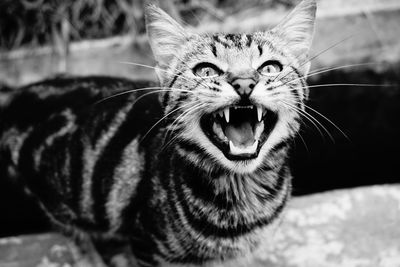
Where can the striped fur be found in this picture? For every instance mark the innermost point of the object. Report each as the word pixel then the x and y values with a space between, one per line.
pixel 136 175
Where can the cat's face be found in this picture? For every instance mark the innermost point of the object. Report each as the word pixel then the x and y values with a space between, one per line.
pixel 233 97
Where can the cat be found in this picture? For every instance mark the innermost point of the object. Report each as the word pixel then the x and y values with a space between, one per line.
pixel 193 170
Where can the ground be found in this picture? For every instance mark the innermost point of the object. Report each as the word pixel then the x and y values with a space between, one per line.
pixel 348 228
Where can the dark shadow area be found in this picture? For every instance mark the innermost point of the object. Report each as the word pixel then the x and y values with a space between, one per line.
pixel 20 214
pixel 368 115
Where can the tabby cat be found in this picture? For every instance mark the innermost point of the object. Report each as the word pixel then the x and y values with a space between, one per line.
pixel 191 171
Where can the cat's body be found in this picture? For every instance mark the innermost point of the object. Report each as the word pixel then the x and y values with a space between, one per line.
pixel 168 179
pixel 69 146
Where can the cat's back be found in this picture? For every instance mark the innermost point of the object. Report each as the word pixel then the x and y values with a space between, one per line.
pixel 59 133
pixel 62 106
pixel 35 103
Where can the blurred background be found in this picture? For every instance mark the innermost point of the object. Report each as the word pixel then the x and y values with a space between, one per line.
pixel 356 59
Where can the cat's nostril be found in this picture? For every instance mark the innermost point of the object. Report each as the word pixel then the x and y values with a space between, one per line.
pixel 244 86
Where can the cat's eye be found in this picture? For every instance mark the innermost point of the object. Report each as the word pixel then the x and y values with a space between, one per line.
pixel 206 70
pixel 270 68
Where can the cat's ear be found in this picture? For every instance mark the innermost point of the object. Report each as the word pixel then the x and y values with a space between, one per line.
pixel 166 36
pixel 297 28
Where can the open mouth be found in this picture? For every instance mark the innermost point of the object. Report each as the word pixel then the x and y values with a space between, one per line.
pixel 239 131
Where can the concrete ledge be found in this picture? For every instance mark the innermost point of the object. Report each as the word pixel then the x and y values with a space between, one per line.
pixel 352 228
pixel 373 26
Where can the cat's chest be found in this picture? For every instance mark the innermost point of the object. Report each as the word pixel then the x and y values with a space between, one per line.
pixel 248 250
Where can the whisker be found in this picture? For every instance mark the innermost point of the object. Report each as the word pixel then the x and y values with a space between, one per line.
pixel 349 84
pixel 328 120
pixel 318 54
pixel 172 141
pixel 323 70
pixel 304 142
pixel 306 115
pixel 339 85
pixel 184 113
pixel 329 48
pixel 161 89
pixel 172 127
pixel 310 118
pixel 160 69
pixel 325 118
pixel 181 117
pixel 145 66
pixel 164 117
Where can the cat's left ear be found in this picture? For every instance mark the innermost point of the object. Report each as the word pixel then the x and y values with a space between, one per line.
pixel 297 28
pixel 166 36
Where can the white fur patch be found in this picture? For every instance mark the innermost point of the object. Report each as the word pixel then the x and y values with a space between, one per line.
pixel 67 128
pixel 126 178
pixel 91 155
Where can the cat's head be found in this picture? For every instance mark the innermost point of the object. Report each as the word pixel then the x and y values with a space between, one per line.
pixel 233 98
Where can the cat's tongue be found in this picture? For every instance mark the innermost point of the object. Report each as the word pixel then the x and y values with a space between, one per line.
pixel 241 134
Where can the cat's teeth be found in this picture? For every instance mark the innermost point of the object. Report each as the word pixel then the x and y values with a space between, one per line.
pixel 218 131
pixel 243 150
pixel 226 113
pixel 221 113
pixel 259 113
pixel 259 129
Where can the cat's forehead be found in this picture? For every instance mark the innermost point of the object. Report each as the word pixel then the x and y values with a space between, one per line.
pixel 234 48
pixel 232 40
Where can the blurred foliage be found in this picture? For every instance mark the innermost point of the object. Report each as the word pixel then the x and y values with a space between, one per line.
pixel 38 22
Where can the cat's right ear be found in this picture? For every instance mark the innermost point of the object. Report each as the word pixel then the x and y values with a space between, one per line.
pixel 297 29
pixel 166 36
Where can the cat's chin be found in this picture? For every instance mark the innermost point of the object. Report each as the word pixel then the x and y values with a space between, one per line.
pixel 239 131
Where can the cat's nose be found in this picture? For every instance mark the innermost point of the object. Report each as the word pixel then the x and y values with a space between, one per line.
pixel 244 86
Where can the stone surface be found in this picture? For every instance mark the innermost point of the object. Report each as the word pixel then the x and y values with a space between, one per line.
pixel 352 228
pixel 348 228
